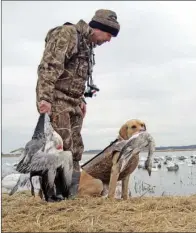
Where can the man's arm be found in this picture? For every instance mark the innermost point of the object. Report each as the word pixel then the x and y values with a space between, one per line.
pixel 60 47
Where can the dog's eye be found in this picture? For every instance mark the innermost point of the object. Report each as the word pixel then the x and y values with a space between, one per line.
pixel 133 127
pixel 142 125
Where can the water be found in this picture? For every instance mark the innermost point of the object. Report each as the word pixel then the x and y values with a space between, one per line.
pixel 7 164
pixel 161 182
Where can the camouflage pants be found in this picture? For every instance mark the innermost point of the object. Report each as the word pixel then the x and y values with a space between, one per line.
pixel 67 121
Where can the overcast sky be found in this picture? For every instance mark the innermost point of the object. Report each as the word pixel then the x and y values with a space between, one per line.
pixel 147 72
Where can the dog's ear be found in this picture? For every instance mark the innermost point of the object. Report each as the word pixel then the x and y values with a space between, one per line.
pixel 123 132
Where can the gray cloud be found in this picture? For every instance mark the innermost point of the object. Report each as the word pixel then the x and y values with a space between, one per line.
pixel 147 72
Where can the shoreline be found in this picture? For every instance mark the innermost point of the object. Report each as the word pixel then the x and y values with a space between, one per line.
pixel 9 155
pixel 161 150
pixel 170 150
pixel 89 152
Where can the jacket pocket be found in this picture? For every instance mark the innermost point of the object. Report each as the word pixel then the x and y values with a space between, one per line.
pixel 82 69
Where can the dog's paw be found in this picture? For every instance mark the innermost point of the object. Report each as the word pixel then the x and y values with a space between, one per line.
pixel 105 196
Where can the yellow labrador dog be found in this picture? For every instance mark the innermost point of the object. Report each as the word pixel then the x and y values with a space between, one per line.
pixel 91 186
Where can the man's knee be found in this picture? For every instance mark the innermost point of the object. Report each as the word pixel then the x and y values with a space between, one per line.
pixel 76 165
pixel 78 146
pixel 77 154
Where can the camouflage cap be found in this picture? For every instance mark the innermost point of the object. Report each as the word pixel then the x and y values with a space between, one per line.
pixel 105 20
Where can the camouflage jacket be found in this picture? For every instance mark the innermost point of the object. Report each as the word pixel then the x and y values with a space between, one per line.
pixel 63 69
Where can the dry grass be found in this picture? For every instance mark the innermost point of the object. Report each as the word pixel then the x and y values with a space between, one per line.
pixel 23 213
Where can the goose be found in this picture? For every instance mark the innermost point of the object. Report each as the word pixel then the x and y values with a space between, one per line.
pixel 44 157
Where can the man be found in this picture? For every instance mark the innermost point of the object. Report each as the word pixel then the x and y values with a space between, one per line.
pixel 65 68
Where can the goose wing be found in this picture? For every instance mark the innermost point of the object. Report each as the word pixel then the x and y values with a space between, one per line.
pixel 35 146
pixel 134 146
pixel 41 162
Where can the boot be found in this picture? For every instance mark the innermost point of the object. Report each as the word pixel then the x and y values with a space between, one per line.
pixel 49 192
pixel 75 180
pixel 62 191
pixel 59 189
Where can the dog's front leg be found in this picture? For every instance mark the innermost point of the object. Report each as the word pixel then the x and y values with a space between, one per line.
pixel 125 186
pixel 114 176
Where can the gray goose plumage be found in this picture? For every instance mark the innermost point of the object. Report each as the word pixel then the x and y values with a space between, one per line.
pixel 44 156
pixel 137 143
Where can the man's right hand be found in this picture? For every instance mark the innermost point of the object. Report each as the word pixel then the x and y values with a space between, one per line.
pixel 45 107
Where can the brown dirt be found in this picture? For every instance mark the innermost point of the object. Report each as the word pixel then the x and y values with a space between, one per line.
pixel 23 213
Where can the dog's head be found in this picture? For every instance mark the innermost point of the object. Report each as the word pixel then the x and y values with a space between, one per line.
pixel 131 127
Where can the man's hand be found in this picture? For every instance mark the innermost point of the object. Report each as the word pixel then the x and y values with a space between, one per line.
pixel 83 108
pixel 45 107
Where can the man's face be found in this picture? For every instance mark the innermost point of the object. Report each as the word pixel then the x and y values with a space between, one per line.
pixel 100 37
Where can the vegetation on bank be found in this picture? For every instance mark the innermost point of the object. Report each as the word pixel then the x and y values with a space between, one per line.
pixel 24 213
